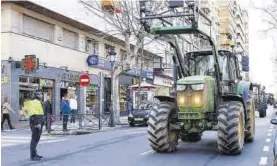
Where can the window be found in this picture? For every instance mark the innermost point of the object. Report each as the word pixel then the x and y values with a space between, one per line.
pixel 92 46
pixel 70 39
pixel 37 28
pixel 157 62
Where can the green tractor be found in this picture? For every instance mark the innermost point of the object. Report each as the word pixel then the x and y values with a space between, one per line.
pixel 208 92
pixel 260 99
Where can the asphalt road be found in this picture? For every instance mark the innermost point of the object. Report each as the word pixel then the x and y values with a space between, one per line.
pixel 129 147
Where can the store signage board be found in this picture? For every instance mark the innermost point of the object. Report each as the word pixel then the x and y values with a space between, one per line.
pixel 84 80
pixel 93 60
pixel 70 77
pixel 30 63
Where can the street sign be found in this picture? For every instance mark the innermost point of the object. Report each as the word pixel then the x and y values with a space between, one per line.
pixel 93 60
pixel 84 80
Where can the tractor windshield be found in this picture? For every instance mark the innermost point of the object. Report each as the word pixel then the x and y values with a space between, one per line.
pixel 203 64
pixel 199 64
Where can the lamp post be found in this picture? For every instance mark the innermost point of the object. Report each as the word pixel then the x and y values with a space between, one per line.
pixel 112 55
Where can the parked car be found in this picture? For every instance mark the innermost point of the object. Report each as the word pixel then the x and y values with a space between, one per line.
pixel 140 115
pixel 274 121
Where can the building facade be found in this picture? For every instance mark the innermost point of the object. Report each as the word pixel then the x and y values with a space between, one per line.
pixel 233 25
pixel 63 47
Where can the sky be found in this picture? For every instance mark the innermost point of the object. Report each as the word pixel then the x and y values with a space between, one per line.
pixel 260 45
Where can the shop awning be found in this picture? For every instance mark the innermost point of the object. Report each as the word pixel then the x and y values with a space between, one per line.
pixel 143 84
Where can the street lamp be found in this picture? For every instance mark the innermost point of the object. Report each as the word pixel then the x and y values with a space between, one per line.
pixel 112 55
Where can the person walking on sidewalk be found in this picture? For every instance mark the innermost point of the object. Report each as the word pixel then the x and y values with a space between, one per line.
pixel 65 111
pixel 33 108
pixel 73 106
pixel 47 108
pixel 6 110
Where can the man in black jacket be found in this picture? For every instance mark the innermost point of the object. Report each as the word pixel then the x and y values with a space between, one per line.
pixel 47 107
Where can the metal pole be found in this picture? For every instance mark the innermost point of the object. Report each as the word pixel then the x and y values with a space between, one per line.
pixel 112 104
pixel 101 87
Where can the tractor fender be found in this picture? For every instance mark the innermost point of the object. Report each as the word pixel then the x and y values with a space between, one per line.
pixel 234 97
pixel 243 89
pixel 166 98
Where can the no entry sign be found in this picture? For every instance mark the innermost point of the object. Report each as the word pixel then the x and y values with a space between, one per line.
pixel 84 80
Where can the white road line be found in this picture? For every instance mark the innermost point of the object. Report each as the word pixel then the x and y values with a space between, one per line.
pixel 51 141
pixel 263 161
pixel 270 130
pixel 147 152
pixel 135 132
pixel 268 140
pixel 269 134
pixel 271 127
pixel 266 148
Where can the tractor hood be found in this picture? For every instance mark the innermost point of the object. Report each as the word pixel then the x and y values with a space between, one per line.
pixel 199 79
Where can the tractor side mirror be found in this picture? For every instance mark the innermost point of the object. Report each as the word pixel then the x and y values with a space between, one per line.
pixel 245 63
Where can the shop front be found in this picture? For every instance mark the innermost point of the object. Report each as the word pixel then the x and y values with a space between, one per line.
pixel 125 81
pixel 46 81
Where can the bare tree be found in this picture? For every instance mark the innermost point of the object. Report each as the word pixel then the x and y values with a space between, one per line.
pixel 122 19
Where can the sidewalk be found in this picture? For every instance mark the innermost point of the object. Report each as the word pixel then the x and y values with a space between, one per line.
pixel 25 124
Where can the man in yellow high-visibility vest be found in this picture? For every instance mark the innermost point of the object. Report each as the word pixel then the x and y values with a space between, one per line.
pixel 33 108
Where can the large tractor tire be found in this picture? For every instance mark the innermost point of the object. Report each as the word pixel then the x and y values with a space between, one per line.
pixel 162 139
pixel 230 134
pixel 250 122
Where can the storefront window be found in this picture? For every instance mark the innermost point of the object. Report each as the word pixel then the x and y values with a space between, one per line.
pixel 123 97
pixel 30 85
pixel 92 99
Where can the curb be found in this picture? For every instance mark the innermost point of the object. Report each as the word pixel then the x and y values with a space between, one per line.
pixel 80 132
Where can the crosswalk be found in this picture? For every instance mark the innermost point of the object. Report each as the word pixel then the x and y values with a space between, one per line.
pixel 13 140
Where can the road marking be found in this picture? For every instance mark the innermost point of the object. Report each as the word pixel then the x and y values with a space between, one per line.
pixel 51 141
pixel 270 130
pixel 147 152
pixel 271 127
pixel 266 148
pixel 263 161
pixel 268 140
pixel 135 132
pixel 269 134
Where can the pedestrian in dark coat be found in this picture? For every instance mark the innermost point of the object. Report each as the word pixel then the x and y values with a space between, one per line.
pixel 65 111
pixel 48 111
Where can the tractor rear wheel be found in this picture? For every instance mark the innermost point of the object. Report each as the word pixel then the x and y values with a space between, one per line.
pixel 230 134
pixel 160 137
pixel 250 122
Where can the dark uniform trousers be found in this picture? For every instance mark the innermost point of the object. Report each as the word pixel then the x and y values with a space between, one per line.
pixel 36 124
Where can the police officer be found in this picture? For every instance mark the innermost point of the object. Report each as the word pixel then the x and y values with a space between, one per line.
pixel 34 109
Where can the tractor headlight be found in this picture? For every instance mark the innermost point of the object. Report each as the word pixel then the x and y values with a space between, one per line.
pixel 181 100
pixel 197 100
pixel 197 87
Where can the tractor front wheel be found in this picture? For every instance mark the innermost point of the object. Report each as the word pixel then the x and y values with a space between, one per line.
pixel 230 134
pixel 160 137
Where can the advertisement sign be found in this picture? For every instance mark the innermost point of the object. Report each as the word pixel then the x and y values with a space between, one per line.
pixel 30 63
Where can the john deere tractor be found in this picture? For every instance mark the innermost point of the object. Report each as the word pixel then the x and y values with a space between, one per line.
pixel 208 92
pixel 260 99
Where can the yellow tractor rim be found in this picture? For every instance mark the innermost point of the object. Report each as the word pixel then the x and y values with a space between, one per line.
pixel 240 126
